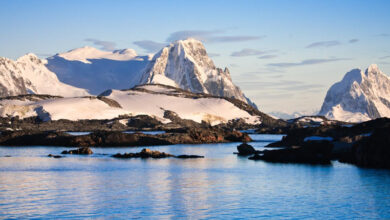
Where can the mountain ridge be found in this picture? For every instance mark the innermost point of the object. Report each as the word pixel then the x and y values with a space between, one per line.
pixel 28 74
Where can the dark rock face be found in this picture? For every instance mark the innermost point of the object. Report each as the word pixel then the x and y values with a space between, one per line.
pixel 145 153
pixel 371 151
pixel 103 138
pixel 365 144
pixel 82 150
pixel 245 149
pixel 310 153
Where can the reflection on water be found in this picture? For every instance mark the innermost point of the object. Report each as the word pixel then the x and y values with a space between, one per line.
pixel 220 185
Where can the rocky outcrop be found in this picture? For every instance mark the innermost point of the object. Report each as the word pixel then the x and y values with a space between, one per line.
pixel 102 138
pixel 245 149
pixel 145 153
pixel 370 151
pixel 365 144
pixel 310 153
pixel 82 150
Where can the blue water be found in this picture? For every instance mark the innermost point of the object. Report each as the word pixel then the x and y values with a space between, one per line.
pixel 221 185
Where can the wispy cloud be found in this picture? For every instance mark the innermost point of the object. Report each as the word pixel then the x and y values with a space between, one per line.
pixel 306 62
pixel 250 52
pixel 149 46
pixel 383 35
pixel 353 41
pixel 198 34
pixel 211 36
pixel 267 57
pixel 323 44
pixel 104 45
pixel 384 57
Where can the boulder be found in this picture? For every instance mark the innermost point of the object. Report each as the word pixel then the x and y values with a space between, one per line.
pixel 245 149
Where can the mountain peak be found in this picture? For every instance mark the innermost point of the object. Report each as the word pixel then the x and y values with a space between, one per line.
pixel 28 57
pixel 373 68
pixel 360 96
pixel 186 64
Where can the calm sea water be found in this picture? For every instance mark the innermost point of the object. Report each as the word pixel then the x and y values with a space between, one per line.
pixel 221 185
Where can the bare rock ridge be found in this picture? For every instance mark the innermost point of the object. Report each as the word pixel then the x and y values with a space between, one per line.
pixel 185 64
pixel 359 96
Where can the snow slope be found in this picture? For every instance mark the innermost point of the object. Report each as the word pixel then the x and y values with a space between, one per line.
pixel 150 100
pixel 28 74
pixel 185 64
pixel 97 70
pixel 359 96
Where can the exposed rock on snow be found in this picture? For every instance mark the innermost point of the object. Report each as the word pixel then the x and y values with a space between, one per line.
pixel 28 74
pixel 152 100
pixel 359 96
pixel 185 64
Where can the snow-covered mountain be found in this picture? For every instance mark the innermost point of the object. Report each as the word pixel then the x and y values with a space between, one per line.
pixel 97 70
pixel 359 96
pixel 185 64
pixel 152 100
pixel 28 74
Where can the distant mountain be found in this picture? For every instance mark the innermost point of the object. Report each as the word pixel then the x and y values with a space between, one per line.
pixel 286 116
pixel 359 96
pixel 97 70
pixel 28 74
pixel 185 64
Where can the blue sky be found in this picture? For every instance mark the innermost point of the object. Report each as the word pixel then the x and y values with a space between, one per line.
pixel 283 54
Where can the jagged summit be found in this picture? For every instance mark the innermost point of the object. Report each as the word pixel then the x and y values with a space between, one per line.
pixel 185 64
pixel 359 96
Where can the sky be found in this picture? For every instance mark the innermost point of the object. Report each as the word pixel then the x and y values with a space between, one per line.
pixel 284 55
